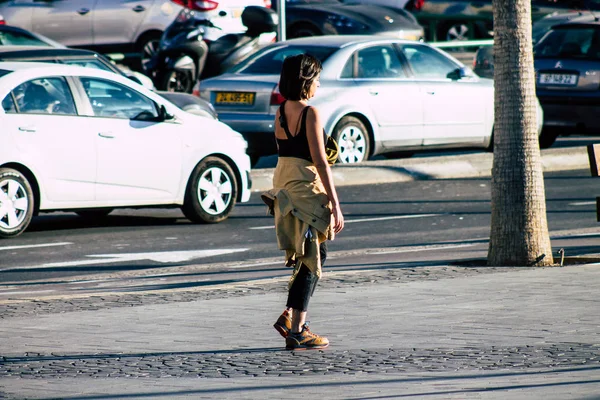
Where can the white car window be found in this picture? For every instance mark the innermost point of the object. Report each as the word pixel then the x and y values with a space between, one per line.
pixel 428 63
pixel 113 100
pixel 379 62
pixel 44 96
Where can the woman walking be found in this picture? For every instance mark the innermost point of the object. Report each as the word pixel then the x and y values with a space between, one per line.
pixel 303 199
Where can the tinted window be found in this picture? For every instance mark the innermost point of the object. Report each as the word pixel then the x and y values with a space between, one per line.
pixel 379 62
pixel 19 39
pixel 270 61
pixel 89 64
pixel 45 96
pixel 4 72
pixel 573 42
pixel 427 63
pixel 113 100
pixel 8 104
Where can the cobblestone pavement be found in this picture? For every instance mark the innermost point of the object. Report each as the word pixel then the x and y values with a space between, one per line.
pixel 277 362
pixel 330 281
pixel 562 338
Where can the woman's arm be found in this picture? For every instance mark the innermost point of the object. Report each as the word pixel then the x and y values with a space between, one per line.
pixel 314 134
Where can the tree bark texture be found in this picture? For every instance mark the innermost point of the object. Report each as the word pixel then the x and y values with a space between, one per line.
pixel 519 229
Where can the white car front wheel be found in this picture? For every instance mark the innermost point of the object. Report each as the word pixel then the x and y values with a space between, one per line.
pixel 211 192
pixel 16 203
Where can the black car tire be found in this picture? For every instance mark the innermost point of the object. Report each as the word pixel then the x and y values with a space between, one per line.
pixel 303 30
pixel 219 185
pixel 146 47
pixel 351 133
pixel 548 137
pixel 23 194
pixel 177 81
pixel 94 213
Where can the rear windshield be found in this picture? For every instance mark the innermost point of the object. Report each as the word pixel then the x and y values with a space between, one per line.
pixel 20 39
pixel 573 42
pixel 270 60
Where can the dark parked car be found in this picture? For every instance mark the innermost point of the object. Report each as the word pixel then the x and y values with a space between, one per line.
pixel 567 64
pixel 13 36
pixel 87 58
pixel 446 20
pixel 333 17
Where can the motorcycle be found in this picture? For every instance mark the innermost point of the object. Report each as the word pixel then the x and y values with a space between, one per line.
pixel 186 52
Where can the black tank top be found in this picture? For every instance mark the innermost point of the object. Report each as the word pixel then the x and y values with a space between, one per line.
pixel 293 146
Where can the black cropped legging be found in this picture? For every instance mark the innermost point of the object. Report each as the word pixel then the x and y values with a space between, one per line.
pixel 304 284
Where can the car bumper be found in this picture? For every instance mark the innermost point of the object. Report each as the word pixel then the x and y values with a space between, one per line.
pixel 571 112
pixel 258 130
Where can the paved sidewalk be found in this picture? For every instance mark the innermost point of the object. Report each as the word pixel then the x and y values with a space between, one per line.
pixel 494 334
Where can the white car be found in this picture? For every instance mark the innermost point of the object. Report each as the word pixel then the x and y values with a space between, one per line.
pixel 86 140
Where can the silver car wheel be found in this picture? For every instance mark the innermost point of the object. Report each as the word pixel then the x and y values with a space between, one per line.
pixel 458 32
pixel 353 145
pixel 215 191
pixel 14 204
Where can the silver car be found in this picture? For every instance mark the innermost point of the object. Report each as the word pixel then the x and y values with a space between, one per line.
pixel 106 26
pixel 377 96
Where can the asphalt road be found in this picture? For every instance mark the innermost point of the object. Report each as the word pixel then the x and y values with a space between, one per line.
pixel 411 222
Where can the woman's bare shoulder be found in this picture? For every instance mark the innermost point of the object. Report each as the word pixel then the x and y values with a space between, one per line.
pixel 313 113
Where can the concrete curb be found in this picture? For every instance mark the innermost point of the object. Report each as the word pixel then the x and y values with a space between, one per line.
pixel 476 165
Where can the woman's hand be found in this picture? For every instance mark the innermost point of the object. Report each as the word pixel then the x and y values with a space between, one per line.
pixel 338 218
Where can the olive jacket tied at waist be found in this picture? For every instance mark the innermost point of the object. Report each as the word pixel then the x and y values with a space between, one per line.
pixel 302 212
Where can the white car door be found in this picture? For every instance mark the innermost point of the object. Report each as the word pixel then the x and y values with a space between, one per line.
pixel 395 100
pixel 454 110
pixel 139 159
pixel 67 22
pixel 53 139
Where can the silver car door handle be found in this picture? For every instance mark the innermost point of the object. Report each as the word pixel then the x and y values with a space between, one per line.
pixel 83 11
pixel 107 135
pixel 373 92
pixel 139 8
pixel 431 92
pixel 27 129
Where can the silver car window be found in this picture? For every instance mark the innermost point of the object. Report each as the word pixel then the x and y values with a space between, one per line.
pixel 88 64
pixel 270 61
pixel 45 96
pixel 427 63
pixel 19 39
pixel 113 100
pixel 379 62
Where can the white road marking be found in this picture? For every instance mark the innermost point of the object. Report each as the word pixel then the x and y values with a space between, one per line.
pixel 409 249
pixel 352 221
pixel 162 257
pixel 31 246
pixel 583 203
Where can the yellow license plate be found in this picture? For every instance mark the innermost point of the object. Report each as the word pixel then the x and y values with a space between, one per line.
pixel 245 98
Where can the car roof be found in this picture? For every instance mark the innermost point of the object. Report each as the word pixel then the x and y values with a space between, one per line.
pixel 590 20
pixel 48 69
pixel 340 40
pixel 36 51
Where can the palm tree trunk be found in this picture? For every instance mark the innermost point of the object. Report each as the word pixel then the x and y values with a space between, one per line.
pixel 519 229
